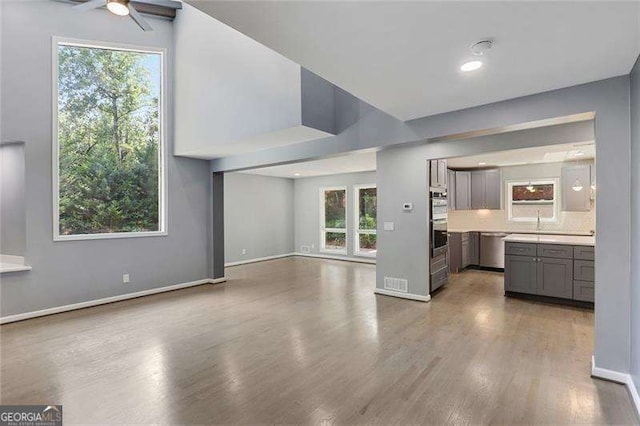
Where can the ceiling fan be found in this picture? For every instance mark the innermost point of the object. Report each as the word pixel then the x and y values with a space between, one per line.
pixel 124 8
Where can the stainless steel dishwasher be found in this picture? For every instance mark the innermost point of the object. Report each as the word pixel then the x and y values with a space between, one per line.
pixel 492 249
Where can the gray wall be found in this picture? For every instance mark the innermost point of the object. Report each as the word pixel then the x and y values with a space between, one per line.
pixel 258 216
pixel 402 177
pixel 227 78
pixel 307 208
pixel 635 224
pixel 12 193
pixel 75 271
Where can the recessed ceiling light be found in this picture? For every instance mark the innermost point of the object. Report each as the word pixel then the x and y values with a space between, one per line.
pixel 471 66
pixel 296 174
pixel 482 164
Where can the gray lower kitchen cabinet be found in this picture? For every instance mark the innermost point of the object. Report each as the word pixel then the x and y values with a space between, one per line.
pixel 584 270
pixel 555 277
pixel 474 248
pixel 463 191
pixel 451 189
pixel 520 274
pixel 576 201
pixel 551 270
pixel 455 251
pixel 465 253
pixel 584 291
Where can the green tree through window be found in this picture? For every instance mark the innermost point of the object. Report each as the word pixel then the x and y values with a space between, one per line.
pixel 108 140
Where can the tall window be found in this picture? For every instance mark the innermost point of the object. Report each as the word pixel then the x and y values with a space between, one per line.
pixel 333 219
pixel 108 150
pixel 366 220
pixel 534 199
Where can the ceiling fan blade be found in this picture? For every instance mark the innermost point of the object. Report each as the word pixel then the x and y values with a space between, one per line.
pixel 173 4
pixel 88 5
pixel 142 23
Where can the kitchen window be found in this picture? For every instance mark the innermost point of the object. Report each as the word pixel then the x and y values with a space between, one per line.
pixel 530 200
pixel 366 220
pixel 108 153
pixel 333 220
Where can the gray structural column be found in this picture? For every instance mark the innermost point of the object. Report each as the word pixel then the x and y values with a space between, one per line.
pixel 217 227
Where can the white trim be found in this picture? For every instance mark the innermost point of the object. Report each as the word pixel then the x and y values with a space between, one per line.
pixel 345 258
pixel 163 192
pixel 324 230
pixel 409 296
pixel 356 221
pixel 258 259
pixel 618 377
pixel 96 302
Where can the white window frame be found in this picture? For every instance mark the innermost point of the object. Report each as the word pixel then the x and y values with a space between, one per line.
pixel 545 181
pixel 324 230
pixel 162 161
pixel 356 221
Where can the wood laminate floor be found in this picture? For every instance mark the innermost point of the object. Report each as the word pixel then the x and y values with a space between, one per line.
pixel 301 340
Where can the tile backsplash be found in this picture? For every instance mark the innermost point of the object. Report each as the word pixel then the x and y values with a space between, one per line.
pixel 496 220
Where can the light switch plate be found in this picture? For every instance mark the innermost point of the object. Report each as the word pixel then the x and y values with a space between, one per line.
pixel 389 226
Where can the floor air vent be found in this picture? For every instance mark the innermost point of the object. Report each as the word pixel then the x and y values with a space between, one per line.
pixel 305 249
pixel 396 284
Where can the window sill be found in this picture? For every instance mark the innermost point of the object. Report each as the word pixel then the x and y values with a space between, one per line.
pixel 365 254
pixel 83 237
pixel 9 263
pixel 329 251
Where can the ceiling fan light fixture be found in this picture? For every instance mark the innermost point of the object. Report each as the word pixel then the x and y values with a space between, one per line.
pixel 118 7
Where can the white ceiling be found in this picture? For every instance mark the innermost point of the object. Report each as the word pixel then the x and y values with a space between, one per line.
pixel 366 161
pixel 537 155
pixel 351 163
pixel 404 57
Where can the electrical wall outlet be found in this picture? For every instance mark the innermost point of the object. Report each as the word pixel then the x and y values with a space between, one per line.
pixel 125 278
pixel 244 251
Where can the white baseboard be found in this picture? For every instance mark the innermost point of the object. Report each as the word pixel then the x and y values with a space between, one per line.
pixel 96 302
pixel 401 295
pixel 258 259
pixel 346 259
pixel 618 377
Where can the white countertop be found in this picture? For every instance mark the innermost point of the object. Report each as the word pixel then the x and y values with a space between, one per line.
pixel 462 230
pixel 572 240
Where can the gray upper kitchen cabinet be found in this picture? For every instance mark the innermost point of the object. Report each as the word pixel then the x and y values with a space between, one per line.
pixel 576 201
pixel 438 174
pixel 521 274
pixel 555 277
pixel 486 188
pixel 463 190
pixel 451 189
pixel 493 189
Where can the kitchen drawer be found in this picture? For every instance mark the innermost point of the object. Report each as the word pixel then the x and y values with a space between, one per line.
pixel 555 251
pixel 584 252
pixel 439 279
pixel 439 262
pixel 583 270
pixel 584 291
pixel 520 249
